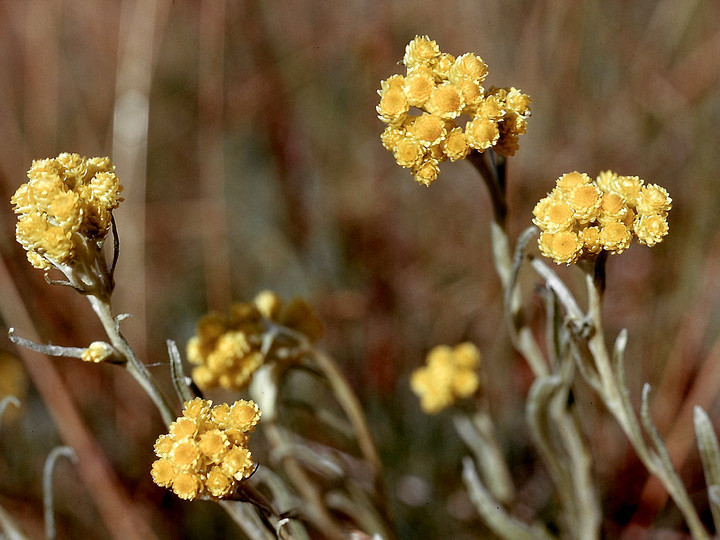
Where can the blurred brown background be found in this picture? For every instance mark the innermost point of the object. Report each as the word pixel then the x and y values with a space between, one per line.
pixel 246 136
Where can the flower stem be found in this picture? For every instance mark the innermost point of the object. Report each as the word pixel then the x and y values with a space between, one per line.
pixel 520 334
pixel 614 395
pixel 135 367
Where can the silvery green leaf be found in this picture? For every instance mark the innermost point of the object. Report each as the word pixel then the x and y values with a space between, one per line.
pixel 494 515
pixel 710 454
pixel 181 382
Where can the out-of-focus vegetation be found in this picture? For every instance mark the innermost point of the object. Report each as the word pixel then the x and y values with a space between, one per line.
pixel 246 136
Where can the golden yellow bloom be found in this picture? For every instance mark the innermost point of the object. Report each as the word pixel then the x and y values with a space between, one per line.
pixel 408 152
pixel 187 485
pixel 226 349
pixel 443 95
pixel 428 129
pixel 553 214
pixel 213 444
pixel 472 94
pixel 590 237
pixel 468 67
pixel 427 172
pixel 419 84
pixel 218 483
pixel 203 456
pixel 653 199
pixel 450 374
pixel 585 202
pixel 393 106
pixel 605 215
pixel 651 228
pixel 164 444
pixel 163 472
pixel 482 132
pixel 442 65
pixel 446 101
pixel 615 236
pixel 238 463
pixel 187 426
pixel 455 146
pixel 64 213
pixel 98 351
pixel 391 136
pixel 563 246
pixel 185 454
pixel 613 207
pixel 420 51
pixel 569 181
pixel 490 107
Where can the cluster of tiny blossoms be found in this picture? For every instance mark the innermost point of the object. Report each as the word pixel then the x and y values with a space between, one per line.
pixel 228 349
pixel 64 209
pixel 206 451
pixel 450 373
pixel 425 110
pixel 581 217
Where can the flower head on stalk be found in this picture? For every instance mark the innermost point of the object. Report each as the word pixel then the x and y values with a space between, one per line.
pixel 450 373
pixel 64 215
pixel 581 217
pixel 227 349
pixel 439 110
pixel 205 451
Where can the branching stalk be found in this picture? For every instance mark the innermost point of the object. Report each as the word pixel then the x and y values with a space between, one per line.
pixel 134 365
pixel 614 395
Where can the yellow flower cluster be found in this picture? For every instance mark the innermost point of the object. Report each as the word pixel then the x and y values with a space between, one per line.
pixel 64 209
pixel 439 110
pixel 450 374
pixel 206 451
pixel 581 217
pixel 226 350
pixel 97 352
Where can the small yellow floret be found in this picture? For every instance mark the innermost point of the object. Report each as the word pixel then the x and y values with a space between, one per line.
pixel 393 106
pixel 428 129
pixel 446 101
pixel 187 485
pixel 651 228
pixel 98 351
pixel 228 349
pixel 455 146
pixel 564 247
pixel 482 132
pixel 408 152
pixel 569 181
pixel 468 67
pixel 653 199
pixel 427 172
pixel 585 202
pixel 615 236
pixel 450 374
pixel 163 472
pixel 419 84
pixel 420 51
pixel 552 214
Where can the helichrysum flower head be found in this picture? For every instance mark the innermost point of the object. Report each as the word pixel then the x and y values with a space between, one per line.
pixel 205 451
pixel 450 374
pixel 439 110
pixel 97 352
pixel 64 215
pixel 581 217
pixel 227 349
